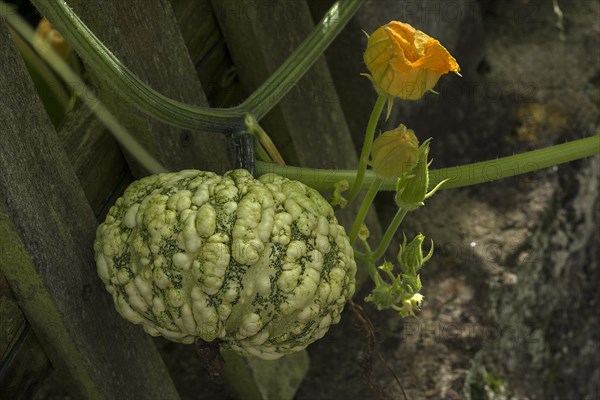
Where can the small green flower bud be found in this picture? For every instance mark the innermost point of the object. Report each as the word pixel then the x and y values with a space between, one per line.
pixel 411 284
pixel 395 153
pixel 398 292
pixel 410 255
pixel 337 198
pixel 387 266
pixel 382 296
pixel 363 233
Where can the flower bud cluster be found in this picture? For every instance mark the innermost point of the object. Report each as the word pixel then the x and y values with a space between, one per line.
pixel 404 63
pixel 400 292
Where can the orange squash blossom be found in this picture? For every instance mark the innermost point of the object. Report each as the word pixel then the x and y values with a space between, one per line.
pixel 405 62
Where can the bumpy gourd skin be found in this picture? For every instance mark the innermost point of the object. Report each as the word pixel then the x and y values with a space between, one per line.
pixel 261 264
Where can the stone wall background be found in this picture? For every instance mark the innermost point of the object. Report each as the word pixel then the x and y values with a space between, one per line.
pixel 511 293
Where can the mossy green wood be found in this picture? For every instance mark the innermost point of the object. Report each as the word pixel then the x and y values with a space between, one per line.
pixel 18 265
pixel 12 320
pixel 94 155
pixel 252 378
pixel 149 43
pixel 47 229
pixel 23 362
pixel 100 168
pixel 26 368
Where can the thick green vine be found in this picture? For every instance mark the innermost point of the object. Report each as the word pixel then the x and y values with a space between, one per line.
pixel 105 63
pixel 459 176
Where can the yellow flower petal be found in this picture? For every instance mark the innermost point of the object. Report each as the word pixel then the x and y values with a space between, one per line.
pixel 405 62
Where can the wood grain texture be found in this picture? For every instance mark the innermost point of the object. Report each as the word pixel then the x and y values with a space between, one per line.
pixel 208 51
pixel 94 155
pixel 12 319
pixel 100 167
pixel 145 36
pixel 25 369
pixel 47 229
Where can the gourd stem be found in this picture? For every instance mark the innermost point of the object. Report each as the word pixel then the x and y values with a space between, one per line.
pixel 369 265
pixel 366 149
pixel 372 270
pixel 264 141
pixel 364 208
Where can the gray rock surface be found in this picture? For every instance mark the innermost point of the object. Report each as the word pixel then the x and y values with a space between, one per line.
pixel 510 294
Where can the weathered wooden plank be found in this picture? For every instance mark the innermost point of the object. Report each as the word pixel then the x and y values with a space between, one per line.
pixel 145 36
pixel 94 155
pixel 208 51
pixel 23 363
pixel 100 167
pixel 198 26
pixel 46 233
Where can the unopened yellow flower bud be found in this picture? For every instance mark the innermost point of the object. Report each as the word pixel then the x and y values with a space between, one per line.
pixel 405 62
pixel 45 32
pixel 395 153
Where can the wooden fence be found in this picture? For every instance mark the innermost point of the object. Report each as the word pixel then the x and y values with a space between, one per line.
pixel 56 184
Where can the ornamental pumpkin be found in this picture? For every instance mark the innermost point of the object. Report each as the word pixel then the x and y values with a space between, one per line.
pixel 261 264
